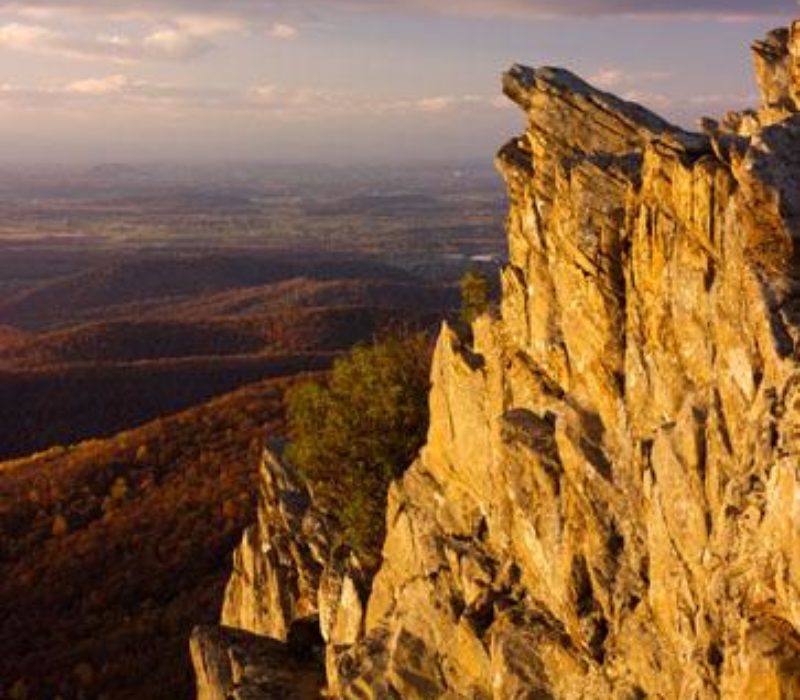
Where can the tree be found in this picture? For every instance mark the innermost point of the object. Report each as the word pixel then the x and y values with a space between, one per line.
pixel 353 435
pixel 475 295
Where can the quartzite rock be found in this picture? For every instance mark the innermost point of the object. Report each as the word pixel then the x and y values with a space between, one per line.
pixel 608 505
pixel 235 665
pixel 277 567
pixel 290 590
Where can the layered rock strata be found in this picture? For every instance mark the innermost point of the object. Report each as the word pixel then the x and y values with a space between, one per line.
pixel 608 505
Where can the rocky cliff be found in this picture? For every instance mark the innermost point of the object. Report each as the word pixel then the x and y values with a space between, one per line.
pixel 608 505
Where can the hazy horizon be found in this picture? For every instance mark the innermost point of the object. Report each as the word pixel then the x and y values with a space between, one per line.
pixel 343 81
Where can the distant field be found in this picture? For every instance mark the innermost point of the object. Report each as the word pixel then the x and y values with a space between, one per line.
pixel 314 208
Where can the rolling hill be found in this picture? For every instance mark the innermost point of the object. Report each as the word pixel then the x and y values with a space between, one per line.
pixel 173 277
pixel 111 550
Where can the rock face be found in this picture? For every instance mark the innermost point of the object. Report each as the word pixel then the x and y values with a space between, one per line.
pixel 235 665
pixel 608 505
pixel 277 566
pixel 777 62
pixel 294 604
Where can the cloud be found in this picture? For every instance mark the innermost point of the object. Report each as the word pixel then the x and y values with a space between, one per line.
pixel 106 95
pixel 616 78
pixel 175 44
pixel 650 99
pixel 724 101
pixel 317 103
pixel 26 37
pixel 608 78
pixel 117 96
pixel 109 85
pixel 279 30
pixel 178 30
pixel 435 104
pixel 299 101
pixel 736 10
pixel 208 25
pixel 44 40
pixel 183 38
pixel 251 11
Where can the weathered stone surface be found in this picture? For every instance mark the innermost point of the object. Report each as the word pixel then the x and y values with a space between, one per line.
pixel 288 585
pixel 270 643
pixel 342 599
pixel 277 567
pixel 607 503
pixel 235 665
pixel 777 64
pixel 776 59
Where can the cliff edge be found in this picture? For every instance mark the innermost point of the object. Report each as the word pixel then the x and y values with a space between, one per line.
pixel 608 505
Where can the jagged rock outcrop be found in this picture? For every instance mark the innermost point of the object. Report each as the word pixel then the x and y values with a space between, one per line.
pixel 294 604
pixel 777 62
pixel 277 566
pixel 232 664
pixel 608 505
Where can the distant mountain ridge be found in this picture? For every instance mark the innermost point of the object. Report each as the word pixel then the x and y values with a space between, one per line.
pixel 177 277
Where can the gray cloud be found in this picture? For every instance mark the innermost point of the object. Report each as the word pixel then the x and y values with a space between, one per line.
pixel 555 8
pixel 498 8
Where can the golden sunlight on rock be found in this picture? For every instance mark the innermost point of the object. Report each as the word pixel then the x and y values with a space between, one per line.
pixel 608 504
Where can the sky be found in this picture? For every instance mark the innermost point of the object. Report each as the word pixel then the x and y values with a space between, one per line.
pixel 340 81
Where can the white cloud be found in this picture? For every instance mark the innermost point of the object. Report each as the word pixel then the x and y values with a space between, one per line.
pixel 279 30
pixel 434 104
pixel 31 38
pixel 209 25
pixel 725 101
pixel 300 102
pixel 116 40
pixel 317 103
pixel 501 102
pixel 265 93
pixel 653 100
pixel 122 38
pixel 608 78
pixel 163 43
pixel 611 77
pixel 109 85
pixel 175 44
pixel 26 37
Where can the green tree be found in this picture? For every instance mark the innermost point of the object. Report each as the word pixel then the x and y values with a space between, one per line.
pixel 351 436
pixel 475 295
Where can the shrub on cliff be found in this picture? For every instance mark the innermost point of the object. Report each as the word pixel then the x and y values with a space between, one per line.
pixel 352 435
pixel 475 295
